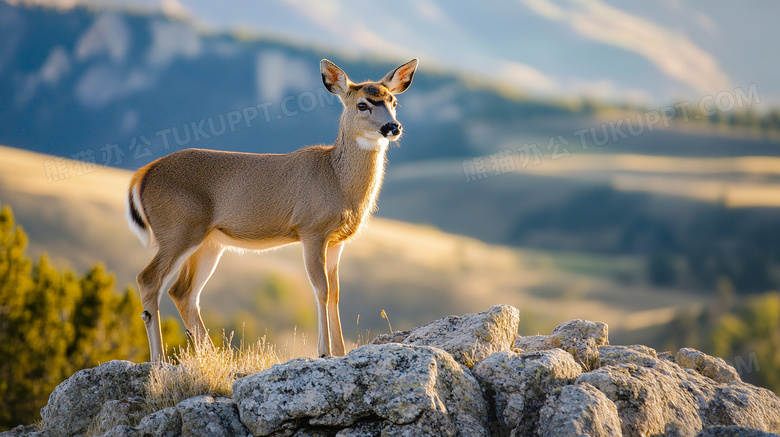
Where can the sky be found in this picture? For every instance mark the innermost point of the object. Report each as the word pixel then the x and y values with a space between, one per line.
pixel 638 52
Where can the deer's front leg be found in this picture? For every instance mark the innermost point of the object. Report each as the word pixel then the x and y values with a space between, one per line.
pixel 336 337
pixel 314 258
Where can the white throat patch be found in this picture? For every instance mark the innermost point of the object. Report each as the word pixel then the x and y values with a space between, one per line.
pixel 378 144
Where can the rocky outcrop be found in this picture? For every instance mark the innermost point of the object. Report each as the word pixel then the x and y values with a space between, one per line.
pixel 469 339
pixel 711 367
pixel 198 416
pixel 75 403
pixel 399 389
pixel 656 396
pixel 734 431
pixel 458 376
pixel 578 409
pixel 118 412
pixel 580 338
pixel 518 384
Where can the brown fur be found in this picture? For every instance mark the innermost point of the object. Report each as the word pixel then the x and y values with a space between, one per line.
pixel 195 202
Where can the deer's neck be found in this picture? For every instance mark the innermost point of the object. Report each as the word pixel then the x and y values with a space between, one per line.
pixel 360 169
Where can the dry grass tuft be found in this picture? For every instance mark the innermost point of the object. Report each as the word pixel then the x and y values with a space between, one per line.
pixel 363 338
pixel 383 314
pixel 205 370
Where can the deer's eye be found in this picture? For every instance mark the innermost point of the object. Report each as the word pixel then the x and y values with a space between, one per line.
pixel 395 103
pixel 362 106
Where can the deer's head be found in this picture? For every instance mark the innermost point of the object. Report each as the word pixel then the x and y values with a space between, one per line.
pixel 369 107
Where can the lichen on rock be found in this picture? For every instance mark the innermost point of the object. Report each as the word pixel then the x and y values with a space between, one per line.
pixel 76 402
pixel 714 368
pixel 519 384
pixel 470 338
pixel 571 382
pixel 578 409
pixel 401 386
pixel 580 338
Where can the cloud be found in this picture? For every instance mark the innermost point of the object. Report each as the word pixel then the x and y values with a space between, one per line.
pixel 56 66
pixel 277 73
pixel 109 35
pixel 12 29
pixel 672 53
pixel 438 105
pixel 59 4
pixel 171 40
pixel 527 77
pixel 174 8
pixel 104 83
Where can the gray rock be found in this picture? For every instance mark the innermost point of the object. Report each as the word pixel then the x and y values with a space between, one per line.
pixel 113 413
pixel 76 402
pixel 122 431
pixel 421 390
pixel 655 396
pixel 210 417
pixel 741 404
pixel 409 389
pixel 668 356
pixel 580 338
pixel 652 399
pixel 395 337
pixel 200 416
pixel 163 423
pixel 711 367
pixel 305 432
pixel 635 354
pixel 26 431
pixel 519 384
pixel 533 343
pixel 470 338
pixel 578 410
pixel 207 416
pixel 733 431
pixel 368 429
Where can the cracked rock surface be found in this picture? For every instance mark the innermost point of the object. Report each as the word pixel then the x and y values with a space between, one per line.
pixel 458 376
pixel 399 387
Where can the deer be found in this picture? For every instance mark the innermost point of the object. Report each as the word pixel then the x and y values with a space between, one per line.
pixel 193 204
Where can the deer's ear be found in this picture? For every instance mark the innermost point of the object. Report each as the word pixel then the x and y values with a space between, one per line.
pixel 334 78
pixel 398 80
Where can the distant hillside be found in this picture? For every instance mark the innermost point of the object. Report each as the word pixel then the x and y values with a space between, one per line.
pixel 151 84
pixel 413 272
pixel 123 88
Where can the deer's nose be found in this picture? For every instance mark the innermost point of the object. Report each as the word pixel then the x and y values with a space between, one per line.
pixel 390 129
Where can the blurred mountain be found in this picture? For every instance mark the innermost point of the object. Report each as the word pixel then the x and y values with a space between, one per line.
pixel 122 89
pixel 648 53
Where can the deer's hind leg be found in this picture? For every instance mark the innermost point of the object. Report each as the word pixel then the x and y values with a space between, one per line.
pixel 151 282
pixel 185 292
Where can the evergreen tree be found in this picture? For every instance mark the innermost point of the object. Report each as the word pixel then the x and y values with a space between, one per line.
pixel 53 324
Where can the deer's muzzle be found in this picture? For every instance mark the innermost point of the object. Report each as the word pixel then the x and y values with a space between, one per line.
pixel 391 129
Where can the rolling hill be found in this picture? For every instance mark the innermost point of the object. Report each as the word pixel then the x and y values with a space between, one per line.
pixel 415 273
